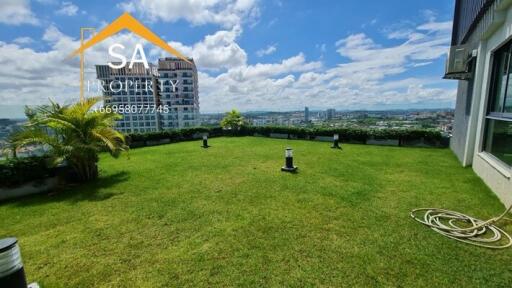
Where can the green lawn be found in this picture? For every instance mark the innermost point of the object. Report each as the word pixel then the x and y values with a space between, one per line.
pixel 180 215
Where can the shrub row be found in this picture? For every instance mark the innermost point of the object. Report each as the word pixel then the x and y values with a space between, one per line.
pixel 174 135
pixel 349 134
pixel 16 171
pixel 433 137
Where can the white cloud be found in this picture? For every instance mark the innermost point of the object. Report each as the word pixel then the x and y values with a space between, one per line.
pixel 272 22
pixel 17 12
pixel 361 81
pixel 34 76
pixel 417 48
pixel 67 9
pixel 429 15
pixel 216 51
pixel 322 47
pixel 23 40
pixel 267 51
pixel 227 13
pixel 47 2
pixel 293 64
pixel 371 23
pixel 437 26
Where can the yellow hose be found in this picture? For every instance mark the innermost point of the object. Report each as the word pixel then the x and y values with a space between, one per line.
pixel 474 231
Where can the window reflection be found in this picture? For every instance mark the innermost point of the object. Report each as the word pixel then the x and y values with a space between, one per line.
pixel 499 140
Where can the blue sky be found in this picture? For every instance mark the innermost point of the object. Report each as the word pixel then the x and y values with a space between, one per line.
pixel 251 55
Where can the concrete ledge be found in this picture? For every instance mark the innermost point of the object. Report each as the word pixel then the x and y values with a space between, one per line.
pixel 384 142
pixel 324 138
pixel 502 169
pixel 199 135
pixel 420 143
pixel 137 144
pixel 157 142
pixel 495 175
pixel 34 187
pixel 279 135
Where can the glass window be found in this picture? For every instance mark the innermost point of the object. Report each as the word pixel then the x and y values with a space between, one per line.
pixel 502 59
pixel 498 130
pixel 499 140
pixel 508 101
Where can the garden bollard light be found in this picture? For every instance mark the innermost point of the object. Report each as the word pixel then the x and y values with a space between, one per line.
pixel 289 161
pixel 336 142
pixel 12 273
pixel 205 141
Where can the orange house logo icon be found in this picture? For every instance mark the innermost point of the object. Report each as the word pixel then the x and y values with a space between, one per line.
pixel 125 21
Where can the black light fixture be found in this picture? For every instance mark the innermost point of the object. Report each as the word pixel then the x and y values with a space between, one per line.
pixel 205 141
pixel 336 141
pixel 288 166
pixel 12 273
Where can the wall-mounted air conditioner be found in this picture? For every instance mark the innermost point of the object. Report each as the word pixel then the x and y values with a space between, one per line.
pixel 458 64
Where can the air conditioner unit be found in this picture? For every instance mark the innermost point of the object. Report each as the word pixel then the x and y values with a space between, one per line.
pixel 458 62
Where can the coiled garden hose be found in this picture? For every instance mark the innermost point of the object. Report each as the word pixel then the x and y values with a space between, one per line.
pixel 464 228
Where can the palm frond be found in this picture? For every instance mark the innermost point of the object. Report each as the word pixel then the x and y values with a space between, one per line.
pixel 75 133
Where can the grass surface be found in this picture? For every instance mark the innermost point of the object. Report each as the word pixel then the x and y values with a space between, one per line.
pixel 180 215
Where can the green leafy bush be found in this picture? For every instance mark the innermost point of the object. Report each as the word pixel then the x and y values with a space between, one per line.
pixel 357 135
pixel 174 135
pixel 17 171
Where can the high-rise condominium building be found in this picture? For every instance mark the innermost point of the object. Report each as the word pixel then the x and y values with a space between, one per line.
pixel 178 90
pixel 306 114
pixel 164 96
pixel 330 114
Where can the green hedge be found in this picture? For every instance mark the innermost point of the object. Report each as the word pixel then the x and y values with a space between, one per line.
pixel 17 171
pixel 174 135
pixel 433 137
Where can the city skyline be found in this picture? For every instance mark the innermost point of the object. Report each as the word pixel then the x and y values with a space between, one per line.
pixel 372 60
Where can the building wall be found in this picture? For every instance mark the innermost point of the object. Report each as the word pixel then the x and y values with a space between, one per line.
pixel 459 139
pixel 467 12
pixel 498 180
pixel 496 174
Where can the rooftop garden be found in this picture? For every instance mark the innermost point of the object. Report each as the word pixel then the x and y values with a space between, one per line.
pixel 227 216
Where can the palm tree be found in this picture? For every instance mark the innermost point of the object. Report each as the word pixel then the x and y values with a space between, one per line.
pixel 73 133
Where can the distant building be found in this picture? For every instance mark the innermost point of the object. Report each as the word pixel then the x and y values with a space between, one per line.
pixel 479 58
pixel 120 91
pixel 8 126
pixel 178 89
pixel 306 114
pixel 211 119
pixel 162 97
pixel 330 113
